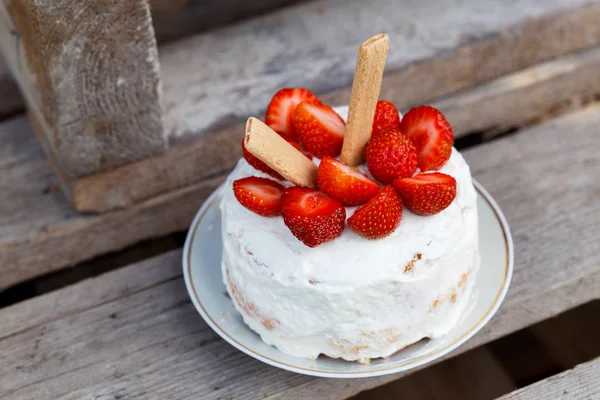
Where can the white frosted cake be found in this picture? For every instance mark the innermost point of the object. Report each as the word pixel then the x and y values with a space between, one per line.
pixel 351 297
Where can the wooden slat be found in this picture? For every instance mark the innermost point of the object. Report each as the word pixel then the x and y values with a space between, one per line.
pixel 149 339
pixel 582 382
pixel 89 74
pixel 212 80
pixel 42 231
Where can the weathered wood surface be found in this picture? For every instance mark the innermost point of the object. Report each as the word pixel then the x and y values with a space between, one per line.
pixel 89 73
pixel 133 331
pixel 44 240
pixel 509 101
pixel 580 383
pixel 176 19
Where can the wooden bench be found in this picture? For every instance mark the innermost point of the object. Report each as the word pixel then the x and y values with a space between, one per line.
pixel 519 82
pixel 133 331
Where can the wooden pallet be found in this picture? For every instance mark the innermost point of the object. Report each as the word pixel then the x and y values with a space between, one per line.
pixel 134 331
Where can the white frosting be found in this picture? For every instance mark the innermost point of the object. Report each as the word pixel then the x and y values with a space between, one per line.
pixel 351 297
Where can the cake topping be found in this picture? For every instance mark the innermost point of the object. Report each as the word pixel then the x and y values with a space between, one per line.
pixel 312 216
pixel 427 194
pixel 363 98
pixel 345 183
pixel 391 155
pixel 259 165
pixel 386 118
pixel 279 154
pixel 319 128
pixel 260 195
pixel 432 135
pixel 380 216
pixel 282 106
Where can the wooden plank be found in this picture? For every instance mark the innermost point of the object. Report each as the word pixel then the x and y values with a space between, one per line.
pixel 177 19
pixel 40 232
pixel 579 383
pixel 509 101
pixel 89 73
pixel 474 375
pixel 152 340
pixel 52 223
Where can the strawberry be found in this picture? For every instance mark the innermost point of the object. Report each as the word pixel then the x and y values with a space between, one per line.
pixel 258 164
pixel 386 118
pixel 427 194
pixel 312 216
pixel 391 155
pixel 345 183
pixel 297 145
pixel 380 216
pixel 319 128
pixel 281 108
pixel 432 135
pixel 260 195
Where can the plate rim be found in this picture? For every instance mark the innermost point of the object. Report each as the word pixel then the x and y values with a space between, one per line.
pixel 509 251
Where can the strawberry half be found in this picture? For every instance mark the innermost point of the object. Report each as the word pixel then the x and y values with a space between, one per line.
pixel 319 129
pixel 391 155
pixel 427 194
pixel 281 108
pixel 380 216
pixel 312 216
pixel 345 183
pixel 386 118
pixel 260 195
pixel 432 135
pixel 258 164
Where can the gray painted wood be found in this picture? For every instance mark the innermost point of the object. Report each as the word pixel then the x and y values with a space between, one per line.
pixel 40 233
pixel 133 332
pixel 579 383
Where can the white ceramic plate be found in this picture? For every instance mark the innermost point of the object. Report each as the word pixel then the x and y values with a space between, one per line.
pixel 202 272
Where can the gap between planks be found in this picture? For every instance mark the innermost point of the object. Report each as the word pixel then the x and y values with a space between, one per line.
pixel 134 330
pixel 40 233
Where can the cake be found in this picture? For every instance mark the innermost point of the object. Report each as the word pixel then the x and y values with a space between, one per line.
pixel 392 263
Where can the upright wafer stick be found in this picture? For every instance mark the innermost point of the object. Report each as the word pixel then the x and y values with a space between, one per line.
pixel 363 99
pixel 265 144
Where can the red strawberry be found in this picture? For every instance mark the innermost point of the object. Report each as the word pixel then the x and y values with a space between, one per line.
pixel 391 155
pixel 427 194
pixel 319 128
pixel 260 195
pixel 431 134
pixel 345 183
pixel 312 216
pixel 386 118
pixel 281 108
pixel 297 145
pixel 258 164
pixel 380 216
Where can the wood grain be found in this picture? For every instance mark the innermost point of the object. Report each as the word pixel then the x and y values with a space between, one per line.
pixel 89 73
pixel 579 383
pixel 149 339
pixel 33 223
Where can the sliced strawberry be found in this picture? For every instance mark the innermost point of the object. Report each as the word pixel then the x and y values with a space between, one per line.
pixel 297 145
pixel 386 118
pixel 281 108
pixel 260 195
pixel 345 183
pixel 258 164
pixel 319 128
pixel 312 216
pixel 432 135
pixel 380 216
pixel 391 155
pixel 427 194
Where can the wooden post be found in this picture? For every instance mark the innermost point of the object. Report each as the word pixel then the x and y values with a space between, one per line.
pixel 89 72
